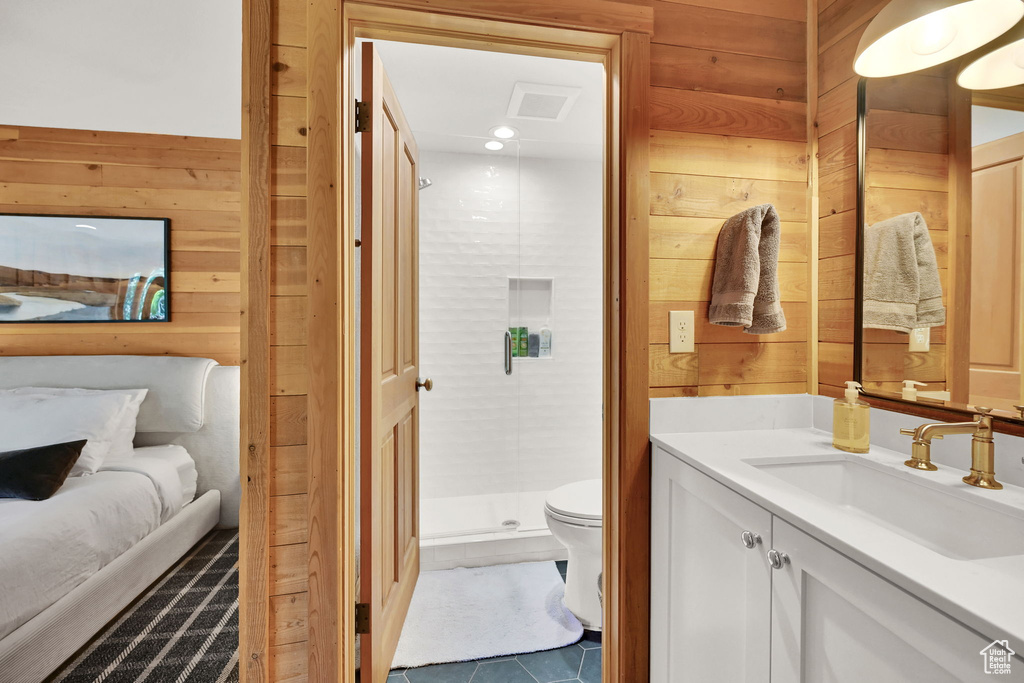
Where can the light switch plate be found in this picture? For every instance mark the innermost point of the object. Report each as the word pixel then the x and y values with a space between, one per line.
pixel 680 332
pixel 921 339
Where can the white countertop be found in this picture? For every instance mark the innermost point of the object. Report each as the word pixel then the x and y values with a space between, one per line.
pixel 984 594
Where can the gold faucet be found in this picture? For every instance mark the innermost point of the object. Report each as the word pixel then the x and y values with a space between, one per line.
pixel 982 447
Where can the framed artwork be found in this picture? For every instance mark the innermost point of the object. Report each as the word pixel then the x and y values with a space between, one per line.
pixel 84 269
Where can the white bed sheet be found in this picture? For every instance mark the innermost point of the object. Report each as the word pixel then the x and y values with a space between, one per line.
pixel 170 467
pixel 49 547
pixel 182 461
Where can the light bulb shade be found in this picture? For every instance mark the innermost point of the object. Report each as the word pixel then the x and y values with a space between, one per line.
pixel 910 35
pixel 1000 66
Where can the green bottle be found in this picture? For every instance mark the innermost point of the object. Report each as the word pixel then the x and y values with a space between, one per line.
pixel 524 342
pixel 514 331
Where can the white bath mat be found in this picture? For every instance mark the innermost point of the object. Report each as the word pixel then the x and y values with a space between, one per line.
pixel 458 615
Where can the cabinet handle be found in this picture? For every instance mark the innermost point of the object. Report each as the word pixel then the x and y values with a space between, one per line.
pixel 776 559
pixel 750 539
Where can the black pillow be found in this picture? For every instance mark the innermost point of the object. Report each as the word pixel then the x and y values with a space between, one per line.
pixel 36 473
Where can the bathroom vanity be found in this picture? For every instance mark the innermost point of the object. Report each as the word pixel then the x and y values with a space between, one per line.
pixel 776 557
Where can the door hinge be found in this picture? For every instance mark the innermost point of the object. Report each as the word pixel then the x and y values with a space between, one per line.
pixel 362 116
pixel 362 617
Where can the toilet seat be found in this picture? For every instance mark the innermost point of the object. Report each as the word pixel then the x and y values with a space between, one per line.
pixel 579 503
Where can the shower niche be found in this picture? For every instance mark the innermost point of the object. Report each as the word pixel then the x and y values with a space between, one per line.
pixel 530 309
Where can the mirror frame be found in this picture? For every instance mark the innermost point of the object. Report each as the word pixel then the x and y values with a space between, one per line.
pixel 947 411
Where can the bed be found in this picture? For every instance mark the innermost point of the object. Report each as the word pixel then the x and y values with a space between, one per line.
pixel 70 564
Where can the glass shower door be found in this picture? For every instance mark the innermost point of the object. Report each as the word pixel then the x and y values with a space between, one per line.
pixel 561 303
pixel 469 254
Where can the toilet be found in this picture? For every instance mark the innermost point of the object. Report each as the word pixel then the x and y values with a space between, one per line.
pixel 573 513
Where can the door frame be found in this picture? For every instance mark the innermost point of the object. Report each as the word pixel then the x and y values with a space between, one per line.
pixel 619 33
pixel 625 58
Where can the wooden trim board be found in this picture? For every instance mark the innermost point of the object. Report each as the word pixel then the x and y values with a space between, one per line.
pixel 627 467
pixel 958 305
pixel 813 231
pixel 331 374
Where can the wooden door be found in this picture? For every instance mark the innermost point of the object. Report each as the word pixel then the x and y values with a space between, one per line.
pixel 389 418
pixel 710 581
pixel 995 364
pixel 835 621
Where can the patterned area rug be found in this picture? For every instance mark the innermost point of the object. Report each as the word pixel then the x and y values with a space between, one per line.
pixel 184 629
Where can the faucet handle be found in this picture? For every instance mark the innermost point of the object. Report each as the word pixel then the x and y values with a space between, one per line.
pixel 1020 409
pixel 982 411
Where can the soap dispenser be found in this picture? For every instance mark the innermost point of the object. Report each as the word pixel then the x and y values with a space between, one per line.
pixel 909 392
pixel 851 421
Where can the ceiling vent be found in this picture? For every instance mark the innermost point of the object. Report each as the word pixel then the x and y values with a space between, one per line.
pixel 537 102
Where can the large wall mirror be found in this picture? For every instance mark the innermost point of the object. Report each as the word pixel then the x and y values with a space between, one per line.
pixel 940 319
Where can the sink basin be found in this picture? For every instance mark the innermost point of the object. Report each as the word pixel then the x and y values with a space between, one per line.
pixel 933 514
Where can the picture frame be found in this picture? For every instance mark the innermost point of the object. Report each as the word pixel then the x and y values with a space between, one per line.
pixel 68 268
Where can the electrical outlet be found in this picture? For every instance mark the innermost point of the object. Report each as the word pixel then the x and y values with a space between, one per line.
pixel 921 339
pixel 680 332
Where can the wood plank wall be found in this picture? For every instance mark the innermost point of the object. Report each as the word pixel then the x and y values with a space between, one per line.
pixel 728 131
pixel 893 190
pixel 908 170
pixel 288 505
pixel 193 181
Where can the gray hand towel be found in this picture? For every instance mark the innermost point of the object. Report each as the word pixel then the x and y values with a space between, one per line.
pixel 745 290
pixel 901 276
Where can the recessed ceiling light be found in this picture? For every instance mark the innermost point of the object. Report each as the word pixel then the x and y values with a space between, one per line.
pixel 85 226
pixel 494 145
pixel 504 132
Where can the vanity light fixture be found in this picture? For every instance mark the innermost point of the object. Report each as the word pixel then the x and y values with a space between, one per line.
pixel 494 145
pixel 1002 65
pixel 910 35
pixel 504 132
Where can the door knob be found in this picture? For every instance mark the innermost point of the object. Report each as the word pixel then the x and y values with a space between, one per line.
pixel 777 559
pixel 750 539
pixel 427 384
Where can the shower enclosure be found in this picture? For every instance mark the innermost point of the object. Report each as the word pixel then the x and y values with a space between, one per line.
pixel 511 241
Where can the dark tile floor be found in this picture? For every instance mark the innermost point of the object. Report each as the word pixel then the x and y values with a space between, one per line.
pixel 578 663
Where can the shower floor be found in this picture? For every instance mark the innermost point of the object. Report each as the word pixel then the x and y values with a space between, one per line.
pixel 472 515
pixel 467 531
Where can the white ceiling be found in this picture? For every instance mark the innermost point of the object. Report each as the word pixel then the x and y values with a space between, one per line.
pixel 147 66
pixel 988 124
pixel 453 97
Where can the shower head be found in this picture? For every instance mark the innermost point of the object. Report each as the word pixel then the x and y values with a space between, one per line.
pixel 425 183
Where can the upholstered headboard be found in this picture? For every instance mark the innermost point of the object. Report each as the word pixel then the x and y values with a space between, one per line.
pixel 193 402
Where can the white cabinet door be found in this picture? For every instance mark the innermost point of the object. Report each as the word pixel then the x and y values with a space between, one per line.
pixel 833 621
pixel 710 595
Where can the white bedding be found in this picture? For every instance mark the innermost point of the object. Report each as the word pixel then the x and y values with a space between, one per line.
pixel 172 470
pixel 49 547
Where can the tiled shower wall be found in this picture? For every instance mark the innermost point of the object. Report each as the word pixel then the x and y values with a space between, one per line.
pixel 488 217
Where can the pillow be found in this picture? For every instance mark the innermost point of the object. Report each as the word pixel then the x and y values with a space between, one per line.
pixel 37 473
pixel 28 421
pixel 122 445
